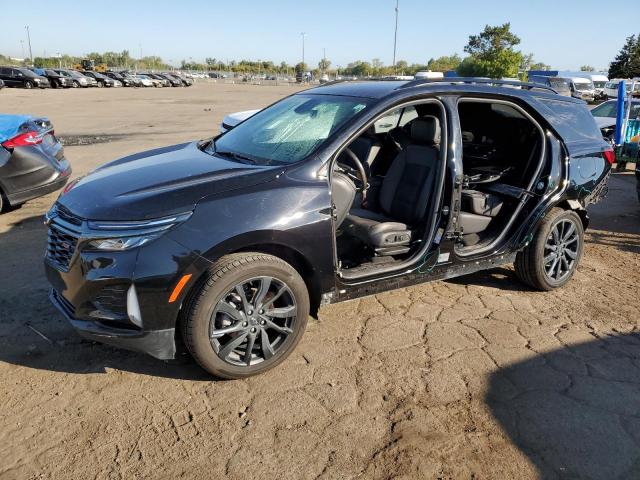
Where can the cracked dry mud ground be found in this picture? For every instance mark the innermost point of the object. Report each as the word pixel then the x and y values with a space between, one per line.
pixel 477 377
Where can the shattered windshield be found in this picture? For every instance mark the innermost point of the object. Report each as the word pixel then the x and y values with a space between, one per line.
pixel 290 130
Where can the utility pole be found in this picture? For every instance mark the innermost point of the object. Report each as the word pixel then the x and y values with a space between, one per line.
pixel 303 35
pixel 324 59
pixel 395 38
pixel 22 48
pixel 29 40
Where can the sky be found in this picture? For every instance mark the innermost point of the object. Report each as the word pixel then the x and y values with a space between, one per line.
pixel 564 34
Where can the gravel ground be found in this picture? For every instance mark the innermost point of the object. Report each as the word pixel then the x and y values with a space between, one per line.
pixel 477 377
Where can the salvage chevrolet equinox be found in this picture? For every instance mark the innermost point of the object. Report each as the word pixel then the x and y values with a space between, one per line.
pixel 227 245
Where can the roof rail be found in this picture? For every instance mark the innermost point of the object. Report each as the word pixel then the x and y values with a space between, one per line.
pixel 332 82
pixel 481 81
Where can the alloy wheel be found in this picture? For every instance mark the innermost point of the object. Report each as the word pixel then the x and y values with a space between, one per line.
pixel 252 321
pixel 561 250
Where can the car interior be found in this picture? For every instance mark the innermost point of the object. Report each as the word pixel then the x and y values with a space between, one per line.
pixel 384 181
pixel 382 187
pixel 502 152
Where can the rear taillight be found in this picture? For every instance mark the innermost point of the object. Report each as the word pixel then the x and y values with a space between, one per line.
pixel 610 156
pixel 23 140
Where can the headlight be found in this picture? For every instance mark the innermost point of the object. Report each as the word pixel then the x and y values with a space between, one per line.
pixel 124 243
pixel 118 236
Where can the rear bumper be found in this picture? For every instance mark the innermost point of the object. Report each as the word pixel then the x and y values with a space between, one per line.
pixel 158 343
pixel 16 198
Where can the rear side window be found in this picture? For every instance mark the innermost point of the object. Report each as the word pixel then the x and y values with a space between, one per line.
pixel 573 121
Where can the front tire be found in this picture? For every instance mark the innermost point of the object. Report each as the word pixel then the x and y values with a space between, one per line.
pixel 553 255
pixel 28 85
pixel 246 316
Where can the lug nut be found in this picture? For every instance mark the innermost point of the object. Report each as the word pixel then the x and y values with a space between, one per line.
pixel 253 330
pixel 244 324
pixel 261 312
pixel 250 312
pixel 262 322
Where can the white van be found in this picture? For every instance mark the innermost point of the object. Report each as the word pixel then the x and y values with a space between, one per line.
pixel 583 89
pixel 611 87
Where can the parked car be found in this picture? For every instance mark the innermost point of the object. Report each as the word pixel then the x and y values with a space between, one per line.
pixel 77 79
pixel 124 80
pixel 102 80
pixel 91 82
pixel 56 80
pixel 231 120
pixel 22 77
pixel 144 80
pixel 559 84
pixel 161 78
pixel 583 89
pixel 1 84
pixel 187 82
pixel 599 81
pixel 605 116
pixel 32 161
pixel 330 194
pixel 611 88
pixel 174 82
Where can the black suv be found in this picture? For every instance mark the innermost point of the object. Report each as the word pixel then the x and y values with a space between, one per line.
pixel 336 192
pixel 22 77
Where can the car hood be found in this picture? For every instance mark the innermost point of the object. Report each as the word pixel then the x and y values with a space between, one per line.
pixel 159 182
pixel 604 122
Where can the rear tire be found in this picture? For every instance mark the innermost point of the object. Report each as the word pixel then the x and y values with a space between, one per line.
pixel 75 84
pixel 234 337
pixel 553 255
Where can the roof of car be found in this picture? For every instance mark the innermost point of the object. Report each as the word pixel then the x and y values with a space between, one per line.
pixel 378 89
pixel 366 88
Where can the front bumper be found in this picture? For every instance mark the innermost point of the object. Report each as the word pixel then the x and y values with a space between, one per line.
pixel 92 292
pixel 158 343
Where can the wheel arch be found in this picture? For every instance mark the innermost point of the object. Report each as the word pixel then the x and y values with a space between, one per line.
pixel 298 261
pixel 575 206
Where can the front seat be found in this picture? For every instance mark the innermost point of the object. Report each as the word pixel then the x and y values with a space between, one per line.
pixel 405 193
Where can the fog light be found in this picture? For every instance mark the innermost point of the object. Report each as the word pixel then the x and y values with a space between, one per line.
pixel 133 307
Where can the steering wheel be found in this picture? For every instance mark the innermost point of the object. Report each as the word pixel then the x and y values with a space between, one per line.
pixel 358 175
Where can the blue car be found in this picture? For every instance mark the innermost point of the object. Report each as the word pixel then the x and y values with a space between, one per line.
pixel 32 161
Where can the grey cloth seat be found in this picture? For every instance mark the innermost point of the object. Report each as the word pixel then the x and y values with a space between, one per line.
pixel 405 193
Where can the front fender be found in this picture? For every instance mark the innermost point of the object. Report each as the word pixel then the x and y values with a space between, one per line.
pixel 287 213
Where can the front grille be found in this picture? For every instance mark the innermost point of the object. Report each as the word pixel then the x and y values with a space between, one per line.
pixel 60 247
pixel 62 238
pixel 67 216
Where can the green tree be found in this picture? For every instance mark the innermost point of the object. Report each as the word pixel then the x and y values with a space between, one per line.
pixel 444 63
pixel 627 62
pixel 492 53
pixel 587 68
pixel 324 64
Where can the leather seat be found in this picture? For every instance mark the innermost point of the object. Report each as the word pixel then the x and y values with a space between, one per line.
pixel 405 193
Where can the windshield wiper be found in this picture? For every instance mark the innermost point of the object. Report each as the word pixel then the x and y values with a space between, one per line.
pixel 237 156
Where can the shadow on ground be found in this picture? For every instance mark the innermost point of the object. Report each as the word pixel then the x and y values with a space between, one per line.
pixel 25 313
pixel 500 277
pixel 575 411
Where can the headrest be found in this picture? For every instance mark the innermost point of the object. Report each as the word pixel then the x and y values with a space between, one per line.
pixel 426 130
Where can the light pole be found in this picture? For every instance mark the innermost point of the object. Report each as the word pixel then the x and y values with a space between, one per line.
pixel 395 38
pixel 29 40
pixel 22 48
pixel 303 35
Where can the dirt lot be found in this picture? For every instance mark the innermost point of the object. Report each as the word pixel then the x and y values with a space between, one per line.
pixel 472 378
